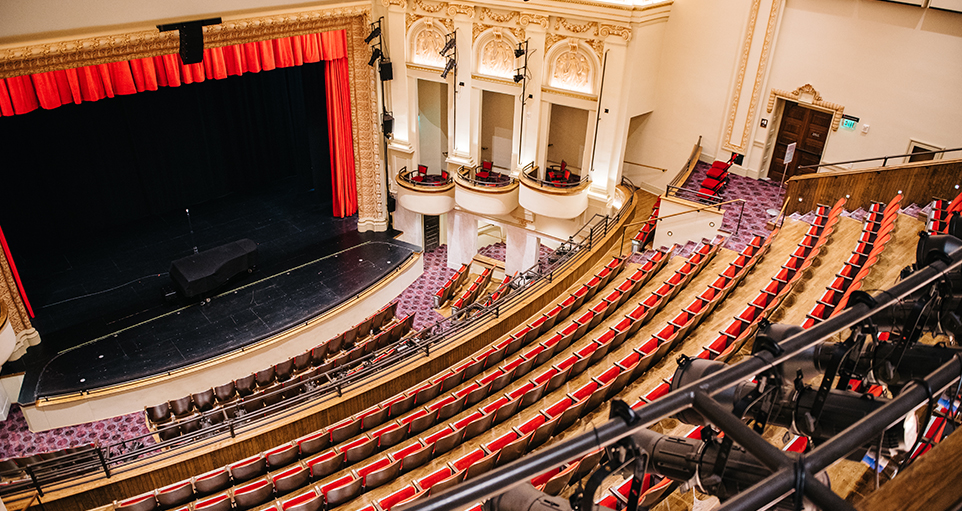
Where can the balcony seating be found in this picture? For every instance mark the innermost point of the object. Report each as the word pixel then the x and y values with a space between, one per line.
pixel 646 234
pixel 473 292
pixel 309 501
pixel 451 286
pixel 145 502
pixel 716 179
pixel 252 494
pixel 501 289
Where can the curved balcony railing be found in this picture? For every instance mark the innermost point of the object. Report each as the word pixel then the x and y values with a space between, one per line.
pixel 422 182
pixel 530 177
pixel 484 179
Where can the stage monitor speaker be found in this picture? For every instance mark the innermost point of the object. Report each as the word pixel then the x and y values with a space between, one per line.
pixel 387 71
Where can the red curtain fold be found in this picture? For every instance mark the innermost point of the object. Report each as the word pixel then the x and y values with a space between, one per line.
pixel 340 134
pixel 23 94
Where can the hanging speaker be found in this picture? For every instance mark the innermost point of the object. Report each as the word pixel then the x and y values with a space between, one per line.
pixel 387 71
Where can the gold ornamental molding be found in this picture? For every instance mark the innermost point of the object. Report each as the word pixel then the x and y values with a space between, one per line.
pixel 618 30
pixel 477 29
pixel 797 96
pixel 400 3
pixel 10 297
pixel 577 29
pixel 462 9
pixel 499 18
pixel 103 49
pixel 740 82
pixel 568 94
pixel 490 79
pixel 410 19
pixel 528 19
pixel 433 9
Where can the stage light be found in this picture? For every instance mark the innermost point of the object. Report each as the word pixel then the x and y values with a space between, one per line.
pixel 519 51
pixel 518 77
pixel 374 33
pixel 686 459
pixel 526 498
pixel 448 45
pixel 447 68
pixel 375 55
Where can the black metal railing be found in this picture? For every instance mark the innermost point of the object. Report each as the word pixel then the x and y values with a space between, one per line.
pixel 884 159
pixel 117 457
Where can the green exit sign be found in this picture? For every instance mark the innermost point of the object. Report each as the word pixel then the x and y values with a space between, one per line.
pixel 849 122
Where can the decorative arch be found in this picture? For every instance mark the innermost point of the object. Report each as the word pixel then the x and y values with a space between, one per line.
pixel 425 40
pixel 808 95
pixel 494 53
pixel 572 66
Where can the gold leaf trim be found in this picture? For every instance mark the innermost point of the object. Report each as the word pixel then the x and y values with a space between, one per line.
pixel 796 95
pixel 500 18
pixel 577 29
pixel 432 9
pixel 624 32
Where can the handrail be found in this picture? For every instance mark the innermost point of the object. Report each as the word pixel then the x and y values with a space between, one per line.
pixel 117 457
pixel 464 173
pixel 647 166
pixel 678 192
pixel 657 218
pixel 533 176
pixel 689 165
pixel 405 175
pixel 884 159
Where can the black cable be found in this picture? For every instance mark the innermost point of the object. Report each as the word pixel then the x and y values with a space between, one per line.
pixel 921 433
pixel 105 290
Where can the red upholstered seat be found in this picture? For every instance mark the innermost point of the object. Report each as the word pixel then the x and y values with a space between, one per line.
pixel 714 184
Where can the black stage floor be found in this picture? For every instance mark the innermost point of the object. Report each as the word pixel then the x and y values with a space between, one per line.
pixel 103 323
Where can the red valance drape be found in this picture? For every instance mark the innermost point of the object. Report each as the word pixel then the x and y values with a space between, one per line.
pixel 23 94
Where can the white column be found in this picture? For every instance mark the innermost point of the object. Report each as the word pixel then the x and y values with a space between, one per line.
pixel 609 147
pixel 411 224
pixel 400 148
pixel 522 250
pixel 459 145
pixel 462 238
pixel 529 122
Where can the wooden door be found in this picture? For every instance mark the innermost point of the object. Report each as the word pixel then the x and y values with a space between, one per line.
pixel 808 129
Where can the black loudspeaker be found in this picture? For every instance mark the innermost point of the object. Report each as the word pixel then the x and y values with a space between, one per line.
pixel 192 43
pixel 387 71
pixel 387 122
pixel 738 159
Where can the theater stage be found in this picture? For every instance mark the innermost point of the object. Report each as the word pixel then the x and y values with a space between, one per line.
pixel 308 264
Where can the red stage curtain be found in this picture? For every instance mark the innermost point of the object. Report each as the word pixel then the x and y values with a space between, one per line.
pixel 341 140
pixel 22 94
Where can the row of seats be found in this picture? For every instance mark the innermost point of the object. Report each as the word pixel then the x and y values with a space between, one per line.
pixel 310 446
pixel 715 180
pixel 281 381
pixel 876 232
pixel 938 219
pixel 746 323
pixel 502 288
pixel 451 286
pixel 548 421
pixel 422 176
pixel 471 294
pixel 646 234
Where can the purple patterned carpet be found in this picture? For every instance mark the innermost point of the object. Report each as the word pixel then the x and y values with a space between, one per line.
pixel 498 251
pixel 16 440
pixel 418 298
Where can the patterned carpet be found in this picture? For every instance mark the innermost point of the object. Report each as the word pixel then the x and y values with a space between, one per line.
pixel 499 250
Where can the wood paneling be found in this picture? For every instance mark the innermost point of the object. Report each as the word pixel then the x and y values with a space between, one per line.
pixel 919 183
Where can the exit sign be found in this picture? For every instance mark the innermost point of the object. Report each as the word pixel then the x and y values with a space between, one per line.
pixel 849 122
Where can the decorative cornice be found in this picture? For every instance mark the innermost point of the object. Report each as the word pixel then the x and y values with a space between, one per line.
pixel 569 94
pixel 102 49
pixel 462 9
pixel 490 79
pixel 577 29
pixel 499 18
pixel 526 19
pixel 607 30
pixel 400 3
pixel 807 89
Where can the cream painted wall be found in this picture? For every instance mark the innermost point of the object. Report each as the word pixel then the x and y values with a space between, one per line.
pixel 497 121
pixel 566 135
pixel 698 56
pixel 896 67
pixel 34 19
pixel 432 124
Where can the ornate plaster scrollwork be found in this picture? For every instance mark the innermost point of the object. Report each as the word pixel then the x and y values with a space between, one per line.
pixel 519 34
pixel 400 3
pixel 550 40
pixel 799 94
pixel 607 30
pixel 571 69
pixel 500 18
pixel 430 8
pixel 598 46
pixel 455 9
pixel 527 19
pixel 577 29
pixel 477 29
pixel 497 56
pixel 409 20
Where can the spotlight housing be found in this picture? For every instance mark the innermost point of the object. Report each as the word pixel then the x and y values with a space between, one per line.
pixel 374 33
pixel 519 52
pixel 448 46
pixel 375 55
pixel 518 77
pixel 447 68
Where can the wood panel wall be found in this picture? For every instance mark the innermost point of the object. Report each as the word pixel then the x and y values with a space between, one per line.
pixel 182 466
pixel 919 182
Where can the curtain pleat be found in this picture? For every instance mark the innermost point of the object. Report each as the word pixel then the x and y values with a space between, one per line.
pixel 340 137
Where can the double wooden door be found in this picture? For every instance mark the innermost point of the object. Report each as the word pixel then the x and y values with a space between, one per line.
pixel 808 129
